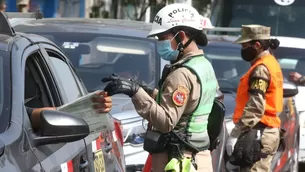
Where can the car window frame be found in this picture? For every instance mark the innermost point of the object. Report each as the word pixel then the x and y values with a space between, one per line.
pixel 26 54
pixel 40 66
pixel 47 47
pixel 5 117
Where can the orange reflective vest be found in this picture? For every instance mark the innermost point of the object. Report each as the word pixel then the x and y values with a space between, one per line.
pixel 273 95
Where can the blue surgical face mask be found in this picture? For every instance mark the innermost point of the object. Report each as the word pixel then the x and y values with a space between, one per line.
pixel 165 50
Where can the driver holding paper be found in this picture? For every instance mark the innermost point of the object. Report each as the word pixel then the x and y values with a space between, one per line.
pixel 103 104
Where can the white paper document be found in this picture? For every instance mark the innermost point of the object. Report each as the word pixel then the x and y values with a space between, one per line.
pixel 83 108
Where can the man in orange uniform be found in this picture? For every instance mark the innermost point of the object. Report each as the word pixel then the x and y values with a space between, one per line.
pixel 259 97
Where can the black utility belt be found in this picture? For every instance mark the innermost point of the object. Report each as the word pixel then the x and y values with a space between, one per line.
pixel 156 142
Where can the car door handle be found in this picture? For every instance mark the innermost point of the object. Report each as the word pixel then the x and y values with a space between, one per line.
pixel 108 147
pixel 83 163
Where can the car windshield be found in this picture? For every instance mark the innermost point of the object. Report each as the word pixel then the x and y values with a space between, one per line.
pixel 291 60
pixel 228 66
pixel 96 56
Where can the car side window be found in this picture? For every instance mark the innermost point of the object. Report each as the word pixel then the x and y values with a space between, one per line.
pixel 36 94
pixel 65 76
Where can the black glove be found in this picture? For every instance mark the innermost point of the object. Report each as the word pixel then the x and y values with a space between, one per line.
pixel 120 85
pixel 147 89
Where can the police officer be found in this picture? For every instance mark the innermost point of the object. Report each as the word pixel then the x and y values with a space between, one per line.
pixel 259 96
pixel 23 5
pixel 186 96
pixel 2 6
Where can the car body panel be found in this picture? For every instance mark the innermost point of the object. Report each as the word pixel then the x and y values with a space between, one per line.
pixel 16 138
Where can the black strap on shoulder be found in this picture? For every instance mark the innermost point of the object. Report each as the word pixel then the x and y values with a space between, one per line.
pixel 170 67
pixel 184 145
pixel 165 72
pixel 187 145
pixel 183 61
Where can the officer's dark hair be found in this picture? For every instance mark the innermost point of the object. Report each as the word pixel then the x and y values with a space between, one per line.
pixel 197 35
pixel 269 43
pixel 188 30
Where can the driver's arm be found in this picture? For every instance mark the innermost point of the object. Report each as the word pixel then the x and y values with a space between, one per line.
pixel 255 107
pixel 34 115
pixel 103 104
pixel 301 81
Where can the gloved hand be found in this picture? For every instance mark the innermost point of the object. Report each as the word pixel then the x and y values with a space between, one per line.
pixel 120 85
pixel 232 168
pixel 235 133
pixel 147 89
pixel 230 145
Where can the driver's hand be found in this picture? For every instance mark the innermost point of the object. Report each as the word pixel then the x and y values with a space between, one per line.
pixel 103 102
pixel 295 76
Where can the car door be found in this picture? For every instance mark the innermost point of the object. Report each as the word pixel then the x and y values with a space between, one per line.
pixel 105 150
pixel 16 153
pixel 287 117
pixel 53 157
pixel 291 135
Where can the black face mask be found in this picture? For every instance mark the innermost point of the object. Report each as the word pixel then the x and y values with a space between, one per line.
pixel 248 54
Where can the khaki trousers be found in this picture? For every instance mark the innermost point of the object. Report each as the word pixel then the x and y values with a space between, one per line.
pixel 270 142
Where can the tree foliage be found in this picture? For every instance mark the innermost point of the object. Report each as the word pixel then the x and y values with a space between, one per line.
pixel 136 9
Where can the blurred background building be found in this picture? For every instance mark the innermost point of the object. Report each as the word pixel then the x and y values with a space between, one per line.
pixel 143 10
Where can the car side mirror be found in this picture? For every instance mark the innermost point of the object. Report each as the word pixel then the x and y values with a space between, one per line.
pixel 290 89
pixel 60 127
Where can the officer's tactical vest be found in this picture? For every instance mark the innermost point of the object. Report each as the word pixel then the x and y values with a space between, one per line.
pixel 195 125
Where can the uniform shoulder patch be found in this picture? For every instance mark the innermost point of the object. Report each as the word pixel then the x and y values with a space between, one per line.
pixel 259 84
pixel 180 95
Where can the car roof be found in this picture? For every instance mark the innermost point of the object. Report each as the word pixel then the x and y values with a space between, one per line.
pixel 8 35
pixel 129 28
pixel 89 25
pixel 224 41
pixel 228 41
pixel 291 42
pixel 7 40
